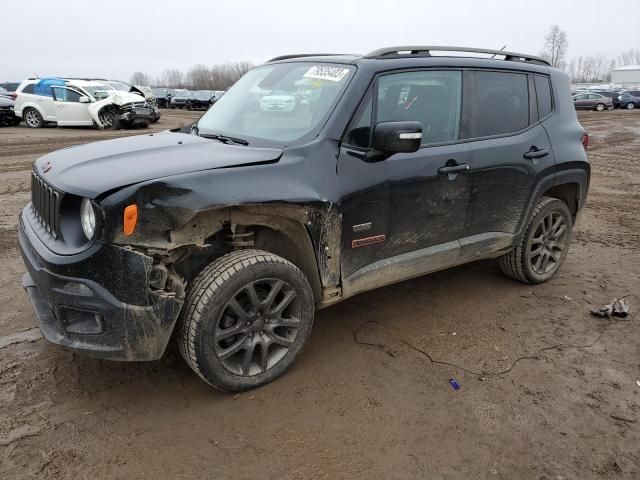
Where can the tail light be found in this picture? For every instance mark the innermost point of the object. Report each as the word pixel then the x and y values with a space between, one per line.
pixel 585 141
pixel 13 95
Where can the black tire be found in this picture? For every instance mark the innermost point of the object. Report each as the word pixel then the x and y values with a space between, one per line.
pixel 600 107
pixel 109 120
pixel 32 118
pixel 630 106
pixel 221 294
pixel 542 239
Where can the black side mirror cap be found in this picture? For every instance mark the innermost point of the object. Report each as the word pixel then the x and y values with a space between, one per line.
pixel 395 137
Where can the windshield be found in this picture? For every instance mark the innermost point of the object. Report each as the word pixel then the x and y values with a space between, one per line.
pixel 278 103
pixel 98 92
pixel 123 87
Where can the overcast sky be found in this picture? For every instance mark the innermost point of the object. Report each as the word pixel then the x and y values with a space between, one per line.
pixel 114 38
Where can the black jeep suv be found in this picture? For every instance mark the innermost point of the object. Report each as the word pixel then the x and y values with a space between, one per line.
pixel 233 233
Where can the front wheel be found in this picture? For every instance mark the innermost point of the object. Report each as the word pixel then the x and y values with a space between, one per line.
pixel 630 106
pixel 109 120
pixel 600 107
pixel 544 245
pixel 246 318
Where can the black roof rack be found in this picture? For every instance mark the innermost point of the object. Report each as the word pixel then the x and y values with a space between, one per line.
pixel 426 51
pixel 302 55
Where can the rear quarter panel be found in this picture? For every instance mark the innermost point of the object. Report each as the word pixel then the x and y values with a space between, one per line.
pixel 565 133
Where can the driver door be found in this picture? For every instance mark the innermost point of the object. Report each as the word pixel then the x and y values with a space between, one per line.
pixel 404 216
pixel 70 111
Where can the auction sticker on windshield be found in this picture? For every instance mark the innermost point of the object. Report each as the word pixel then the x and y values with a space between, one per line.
pixel 334 74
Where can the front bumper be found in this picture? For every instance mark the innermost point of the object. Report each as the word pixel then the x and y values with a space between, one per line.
pixel 135 117
pixel 82 315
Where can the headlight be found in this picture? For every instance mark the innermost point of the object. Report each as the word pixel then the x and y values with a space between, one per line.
pixel 88 218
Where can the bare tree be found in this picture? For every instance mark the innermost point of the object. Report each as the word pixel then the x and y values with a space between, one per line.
pixel 630 57
pixel 199 78
pixel 555 47
pixel 139 78
pixel 223 76
pixel 171 78
pixel 591 69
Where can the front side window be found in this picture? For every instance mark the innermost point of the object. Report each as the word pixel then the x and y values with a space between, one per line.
pixel 432 98
pixel 501 103
pixel 359 134
pixel 279 103
pixel 62 94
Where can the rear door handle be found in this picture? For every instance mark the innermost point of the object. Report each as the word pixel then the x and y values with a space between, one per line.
pixel 535 153
pixel 463 167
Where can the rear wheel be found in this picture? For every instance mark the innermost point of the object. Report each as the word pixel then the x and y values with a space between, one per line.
pixel 600 107
pixel 630 106
pixel 246 318
pixel 109 120
pixel 544 245
pixel 33 118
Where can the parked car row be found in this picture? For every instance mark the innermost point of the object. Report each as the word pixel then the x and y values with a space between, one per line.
pixel 606 99
pixel 105 104
pixel 189 99
pixel 7 115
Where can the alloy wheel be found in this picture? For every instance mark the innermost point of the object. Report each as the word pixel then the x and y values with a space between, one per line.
pixel 32 118
pixel 106 121
pixel 257 327
pixel 548 243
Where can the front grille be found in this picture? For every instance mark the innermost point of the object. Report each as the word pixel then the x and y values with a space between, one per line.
pixel 132 106
pixel 45 202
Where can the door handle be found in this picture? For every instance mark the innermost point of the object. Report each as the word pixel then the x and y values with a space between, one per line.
pixel 447 169
pixel 534 152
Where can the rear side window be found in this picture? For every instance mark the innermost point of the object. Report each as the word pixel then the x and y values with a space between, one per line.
pixel 27 88
pixel 543 92
pixel 501 103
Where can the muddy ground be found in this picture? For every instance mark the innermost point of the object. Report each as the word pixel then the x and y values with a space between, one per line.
pixel 554 393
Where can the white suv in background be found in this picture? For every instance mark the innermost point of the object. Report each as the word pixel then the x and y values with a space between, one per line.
pixel 79 103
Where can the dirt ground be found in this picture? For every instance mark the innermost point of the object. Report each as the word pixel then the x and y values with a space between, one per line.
pixel 554 394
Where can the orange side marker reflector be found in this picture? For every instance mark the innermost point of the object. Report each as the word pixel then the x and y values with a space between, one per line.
pixel 130 219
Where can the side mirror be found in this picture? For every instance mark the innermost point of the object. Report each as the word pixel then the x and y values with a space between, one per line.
pixel 395 137
pixel 84 99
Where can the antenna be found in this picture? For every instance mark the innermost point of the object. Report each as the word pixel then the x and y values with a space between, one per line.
pixel 494 55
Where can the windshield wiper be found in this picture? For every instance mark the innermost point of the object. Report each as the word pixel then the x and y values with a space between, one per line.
pixel 224 138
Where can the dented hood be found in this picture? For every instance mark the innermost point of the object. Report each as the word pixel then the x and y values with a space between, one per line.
pixel 92 169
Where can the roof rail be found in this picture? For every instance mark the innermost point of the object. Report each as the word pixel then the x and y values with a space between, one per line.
pixel 302 55
pixel 72 78
pixel 426 50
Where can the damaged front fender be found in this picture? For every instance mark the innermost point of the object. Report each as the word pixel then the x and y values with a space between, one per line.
pixel 116 100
